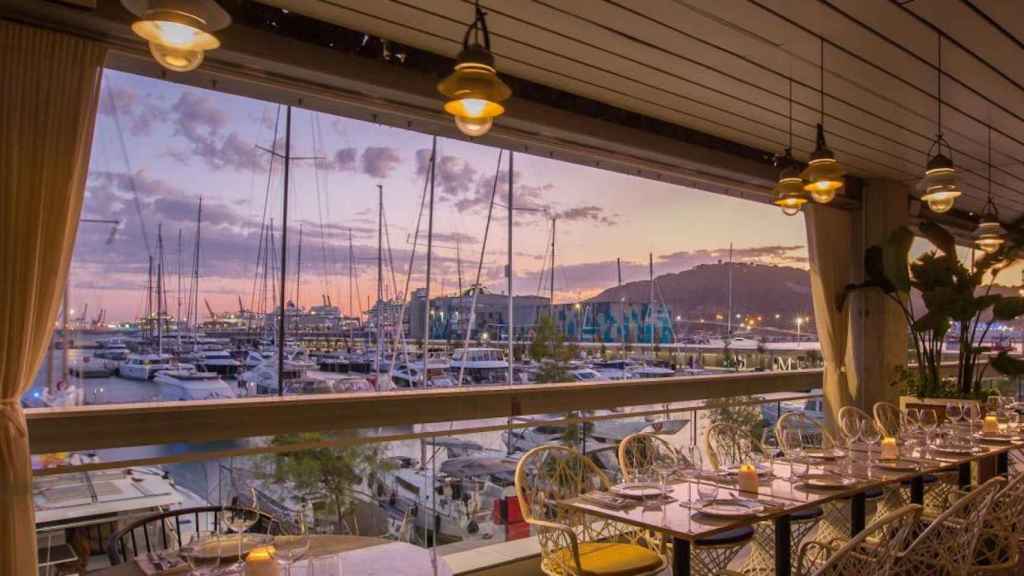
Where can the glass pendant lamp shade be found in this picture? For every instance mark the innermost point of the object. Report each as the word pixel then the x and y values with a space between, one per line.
pixel 178 31
pixel 473 91
pixel 789 190
pixel 823 176
pixel 940 185
pixel 989 236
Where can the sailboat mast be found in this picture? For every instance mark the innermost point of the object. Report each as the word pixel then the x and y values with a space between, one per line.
pixel 298 269
pixel 508 272
pixel 622 306
pixel 195 271
pixel 650 307
pixel 378 353
pixel 430 247
pixel 729 321
pixel 177 316
pixel 351 303
pixel 159 288
pixel 551 290
pixel 284 247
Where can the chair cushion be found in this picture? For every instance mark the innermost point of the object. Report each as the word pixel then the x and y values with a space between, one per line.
pixel 734 536
pixel 806 514
pixel 613 559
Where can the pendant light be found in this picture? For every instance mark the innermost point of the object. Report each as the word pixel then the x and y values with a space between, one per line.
pixel 989 235
pixel 823 176
pixel 178 31
pixel 941 184
pixel 473 90
pixel 789 190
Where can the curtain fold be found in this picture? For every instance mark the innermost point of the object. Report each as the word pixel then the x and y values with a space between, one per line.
pixel 829 241
pixel 48 99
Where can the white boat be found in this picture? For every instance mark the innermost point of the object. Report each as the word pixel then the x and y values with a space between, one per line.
pixel 615 369
pixel 300 377
pixel 585 375
pixel 219 361
pixel 191 384
pixel 480 365
pixel 89 367
pixel 645 371
pixel 552 429
pixel 64 396
pixel 457 499
pixel 410 375
pixel 145 366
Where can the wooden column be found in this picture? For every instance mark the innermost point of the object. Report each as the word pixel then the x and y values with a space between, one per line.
pixel 878 332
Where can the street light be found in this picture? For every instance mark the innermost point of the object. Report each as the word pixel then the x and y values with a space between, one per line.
pixel 799 323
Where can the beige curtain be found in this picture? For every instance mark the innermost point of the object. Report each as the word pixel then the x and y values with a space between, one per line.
pixel 829 249
pixel 48 99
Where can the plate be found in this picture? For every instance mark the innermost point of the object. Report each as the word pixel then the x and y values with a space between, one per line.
pixel 828 481
pixel 957 449
pixel 1000 438
pixel 897 465
pixel 731 508
pixel 762 469
pixel 829 454
pixel 637 490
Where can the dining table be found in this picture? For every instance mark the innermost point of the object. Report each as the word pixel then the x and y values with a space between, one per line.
pixel 356 555
pixel 785 491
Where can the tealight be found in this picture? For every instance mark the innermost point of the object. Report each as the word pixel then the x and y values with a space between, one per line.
pixel 890 450
pixel 746 478
pixel 260 562
pixel 990 425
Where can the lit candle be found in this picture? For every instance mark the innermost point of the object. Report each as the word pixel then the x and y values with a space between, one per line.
pixel 747 478
pixel 990 425
pixel 260 562
pixel 890 451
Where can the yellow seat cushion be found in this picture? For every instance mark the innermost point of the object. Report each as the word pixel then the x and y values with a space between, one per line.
pixel 613 559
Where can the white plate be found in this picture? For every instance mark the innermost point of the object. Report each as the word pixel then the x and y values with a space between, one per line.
pixel 830 454
pixel 731 508
pixel 637 490
pixel 1000 438
pixel 828 481
pixel 897 465
pixel 762 469
pixel 956 449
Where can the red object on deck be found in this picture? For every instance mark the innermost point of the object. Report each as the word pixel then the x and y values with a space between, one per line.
pixel 507 512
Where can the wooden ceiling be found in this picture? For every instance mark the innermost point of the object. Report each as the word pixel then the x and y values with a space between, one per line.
pixel 724 67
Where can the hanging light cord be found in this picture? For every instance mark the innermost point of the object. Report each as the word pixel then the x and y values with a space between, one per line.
pixel 790 147
pixel 821 83
pixel 990 205
pixel 939 139
pixel 478 26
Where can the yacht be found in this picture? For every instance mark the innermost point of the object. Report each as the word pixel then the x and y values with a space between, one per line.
pixel 88 367
pixel 645 371
pixel 410 375
pixel 552 429
pixel 218 361
pixel 300 377
pixel 191 384
pixel 334 362
pixel 585 375
pixel 145 366
pixel 457 499
pixel 480 365
pixel 615 369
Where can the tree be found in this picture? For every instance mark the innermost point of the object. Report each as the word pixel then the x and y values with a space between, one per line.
pixel 336 471
pixel 738 412
pixel 548 348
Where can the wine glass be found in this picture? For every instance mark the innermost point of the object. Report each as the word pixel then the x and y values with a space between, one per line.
pixel 911 422
pixel 770 447
pixel 953 412
pixel 850 430
pixel 793 445
pixel 706 490
pixel 239 519
pixel 929 422
pixel 293 546
pixel 871 435
pixel 202 551
pixel 973 413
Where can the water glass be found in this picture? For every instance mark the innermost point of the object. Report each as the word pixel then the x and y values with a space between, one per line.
pixel 953 412
pixel 239 519
pixel 770 447
pixel 929 422
pixel 202 551
pixel 325 566
pixel 706 490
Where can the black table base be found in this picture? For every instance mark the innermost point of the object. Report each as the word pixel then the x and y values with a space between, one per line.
pixel 783 546
pixel 680 557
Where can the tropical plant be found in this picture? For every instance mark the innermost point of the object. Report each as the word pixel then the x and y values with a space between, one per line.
pixel 958 299
pixel 549 350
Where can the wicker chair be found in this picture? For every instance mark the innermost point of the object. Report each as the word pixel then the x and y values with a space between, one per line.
pixel 162 531
pixel 998 550
pixel 948 546
pixel 873 551
pixel 573 543
pixel 727 445
pixel 708 556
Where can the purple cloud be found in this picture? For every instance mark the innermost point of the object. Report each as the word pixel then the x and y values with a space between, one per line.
pixel 379 161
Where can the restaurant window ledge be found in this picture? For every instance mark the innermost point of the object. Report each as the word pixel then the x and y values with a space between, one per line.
pixel 512 558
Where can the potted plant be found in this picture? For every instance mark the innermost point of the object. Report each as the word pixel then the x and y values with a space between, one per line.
pixel 958 300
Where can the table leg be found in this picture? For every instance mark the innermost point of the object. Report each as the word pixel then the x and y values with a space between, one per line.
pixel 858 513
pixel 680 557
pixel 783 546
pixel 917 490
pixel 964 475
pixel 1003 463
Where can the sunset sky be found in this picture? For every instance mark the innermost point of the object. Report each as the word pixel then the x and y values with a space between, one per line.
pixel 159 146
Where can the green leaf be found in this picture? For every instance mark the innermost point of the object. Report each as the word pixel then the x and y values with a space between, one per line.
pixel 939 236
pixel 895 258
pixel 936 321
pixel 1007 365
pixel 1008 308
